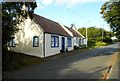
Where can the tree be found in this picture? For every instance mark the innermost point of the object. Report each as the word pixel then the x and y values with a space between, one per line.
pixel 111 14
pixel 11 13
pixel 95 35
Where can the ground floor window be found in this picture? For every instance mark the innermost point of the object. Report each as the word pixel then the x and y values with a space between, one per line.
pixel 54 41
pixel 35 41
pixel 11 43
pixel 69 41
pixel 77 40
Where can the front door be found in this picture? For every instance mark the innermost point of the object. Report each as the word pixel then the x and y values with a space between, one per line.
pixel 63 44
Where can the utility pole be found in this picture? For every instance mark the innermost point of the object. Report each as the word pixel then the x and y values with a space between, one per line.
pixel 86 37
pixel 86 34
pixel 102 32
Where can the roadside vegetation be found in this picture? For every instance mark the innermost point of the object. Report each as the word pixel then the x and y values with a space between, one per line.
pixel 110 12
pixel 97 36
pixel 11 16
pixel 13 61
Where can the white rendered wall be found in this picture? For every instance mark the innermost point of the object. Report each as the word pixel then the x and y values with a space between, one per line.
pixel 76 41
pixel 54 50
pixel 24 39
pixel 71 34
pixel 66 45
pixel 51 50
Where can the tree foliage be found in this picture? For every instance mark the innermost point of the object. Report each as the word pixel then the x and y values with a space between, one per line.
pixel 111 14
pixel 11 13
pixel 95 35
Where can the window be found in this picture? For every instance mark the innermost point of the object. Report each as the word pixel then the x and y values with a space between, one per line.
pixel 69 40
pixel 76 40
pixel 54 41
pixel 11 43
pixel 35 41
pixel 80 41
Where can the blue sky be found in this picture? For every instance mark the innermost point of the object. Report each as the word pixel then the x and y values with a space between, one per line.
pixel 79 12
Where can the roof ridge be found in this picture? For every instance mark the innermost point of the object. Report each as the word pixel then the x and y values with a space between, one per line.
pixel 49 26
pixel 45 18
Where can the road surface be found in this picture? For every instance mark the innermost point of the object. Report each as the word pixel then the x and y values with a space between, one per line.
pixel 116 68
pixel 90 64
pixel 0 52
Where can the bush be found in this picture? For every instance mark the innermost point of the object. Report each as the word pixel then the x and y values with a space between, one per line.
pixel 91 43
pixel 107 40
pixel 101 44
pixel 76 47
pixel 83 47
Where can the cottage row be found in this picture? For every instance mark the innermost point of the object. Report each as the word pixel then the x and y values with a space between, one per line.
pixel 43 37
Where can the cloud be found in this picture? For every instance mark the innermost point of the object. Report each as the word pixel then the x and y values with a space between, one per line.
pixel 67 3
pixel 39 6
pixel 47 2
pixel 74 2
pixel 61 1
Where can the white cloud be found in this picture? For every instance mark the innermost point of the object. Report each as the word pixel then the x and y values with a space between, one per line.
pixel 46 2
pixel 61 2
pixel 77 1
pixel 39 6
pixel 67 3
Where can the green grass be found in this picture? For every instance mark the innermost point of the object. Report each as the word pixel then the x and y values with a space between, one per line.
pixel 101 44
pixel 13 61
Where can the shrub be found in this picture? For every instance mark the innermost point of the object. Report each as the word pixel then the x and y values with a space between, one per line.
pixel 76 47
pixel 107 40
pixel 91 43
pixel 101 44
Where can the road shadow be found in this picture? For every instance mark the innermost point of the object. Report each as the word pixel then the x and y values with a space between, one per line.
pixel 60 68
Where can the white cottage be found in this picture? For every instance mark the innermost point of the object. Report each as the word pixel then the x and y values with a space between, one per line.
pixel 78 38
pixel 41 37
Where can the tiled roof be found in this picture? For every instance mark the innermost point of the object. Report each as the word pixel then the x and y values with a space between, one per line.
pixel 49 26
pixel 75 33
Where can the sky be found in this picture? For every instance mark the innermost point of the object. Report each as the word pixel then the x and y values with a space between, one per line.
pixel 82 13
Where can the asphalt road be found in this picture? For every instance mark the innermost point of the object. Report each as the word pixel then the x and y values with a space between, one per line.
pixel 0 52
pixel 90 64
pixel 114 71
pixel 116 68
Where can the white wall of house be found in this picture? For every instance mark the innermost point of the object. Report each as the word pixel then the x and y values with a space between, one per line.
pixel 84 41
pixel 24 39
pixel 66 45
pixel 71 34
pixel 48 49
pixel 81 41
pixel 76 41
pixel 54 50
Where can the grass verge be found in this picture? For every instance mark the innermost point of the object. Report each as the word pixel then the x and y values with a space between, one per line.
pixel 13 61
